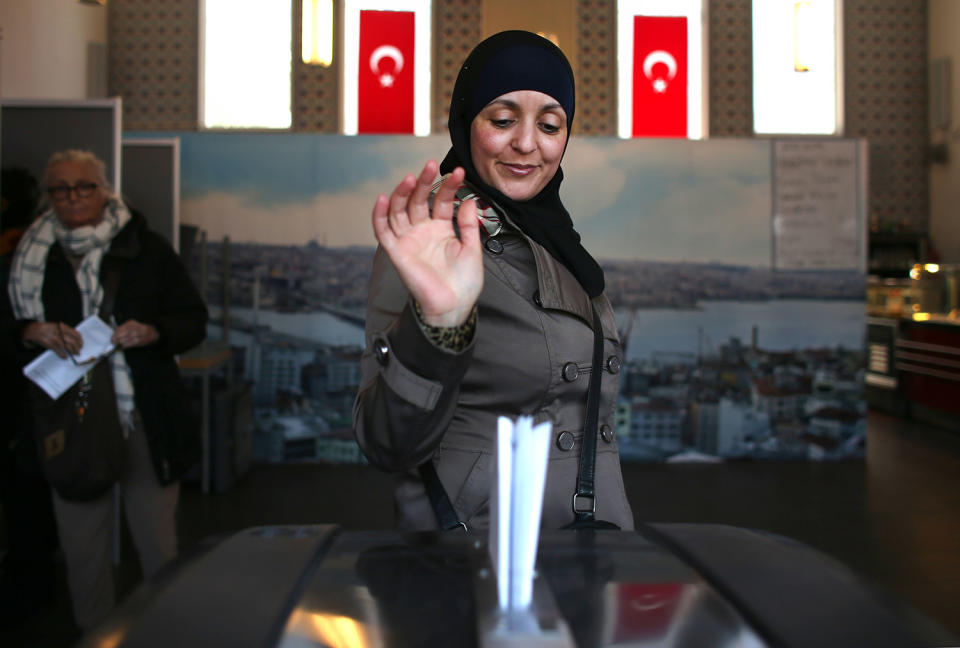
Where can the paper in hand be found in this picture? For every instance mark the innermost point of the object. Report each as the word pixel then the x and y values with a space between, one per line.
pixel 55 375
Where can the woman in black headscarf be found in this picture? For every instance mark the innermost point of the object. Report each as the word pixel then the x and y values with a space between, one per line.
pixel 483 303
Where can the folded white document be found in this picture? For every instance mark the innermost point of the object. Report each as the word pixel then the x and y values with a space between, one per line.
pixel 55 375
pixel 517 502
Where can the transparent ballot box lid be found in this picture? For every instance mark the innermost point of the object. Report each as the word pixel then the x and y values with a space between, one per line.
pixel 663 585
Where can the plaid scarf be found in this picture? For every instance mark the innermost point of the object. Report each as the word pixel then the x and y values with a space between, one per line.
pixel 25 284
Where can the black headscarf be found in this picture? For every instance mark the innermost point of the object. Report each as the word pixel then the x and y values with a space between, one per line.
pixel 506 62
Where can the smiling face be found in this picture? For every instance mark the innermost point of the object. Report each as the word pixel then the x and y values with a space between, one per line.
pixel 72 209
pixel 517 141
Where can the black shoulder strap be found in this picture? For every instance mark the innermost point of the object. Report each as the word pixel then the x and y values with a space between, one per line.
pixel 584 499
pixel 439 501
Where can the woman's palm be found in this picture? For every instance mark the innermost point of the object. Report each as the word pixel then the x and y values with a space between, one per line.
pixel 443 272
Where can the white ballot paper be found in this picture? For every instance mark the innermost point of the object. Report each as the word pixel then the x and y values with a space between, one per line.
pixel 517 501
pixel 56 375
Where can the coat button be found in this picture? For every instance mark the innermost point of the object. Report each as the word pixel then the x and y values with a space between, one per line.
pixel 381 351
pixel 493 246
pixel 613 364
pixel 565 441
pixel 606 433
pixel 536 299
pixel 570 371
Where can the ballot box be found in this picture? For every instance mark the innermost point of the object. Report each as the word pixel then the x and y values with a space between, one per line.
pixel 662 585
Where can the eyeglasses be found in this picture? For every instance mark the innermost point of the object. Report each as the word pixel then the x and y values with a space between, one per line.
pixel 83 189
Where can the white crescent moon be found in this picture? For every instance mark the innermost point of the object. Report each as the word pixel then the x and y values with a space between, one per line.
pixel 386 51
pixel 660 56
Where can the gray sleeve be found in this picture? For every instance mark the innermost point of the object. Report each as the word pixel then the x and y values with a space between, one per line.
pixel 409 386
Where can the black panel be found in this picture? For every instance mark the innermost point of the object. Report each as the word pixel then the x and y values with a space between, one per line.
pixel 149 182
pixel 30 134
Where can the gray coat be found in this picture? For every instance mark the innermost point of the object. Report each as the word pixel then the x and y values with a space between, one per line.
pixel 419 402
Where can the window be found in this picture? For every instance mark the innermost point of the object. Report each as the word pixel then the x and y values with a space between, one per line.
pixel 660 50
pixel 246 64
pixel 316 37
pixel 797 67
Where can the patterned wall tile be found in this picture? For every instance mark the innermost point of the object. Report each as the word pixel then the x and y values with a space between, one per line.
pixel 152 62
pixel 316 89
pixel 457 29
pixel 596 68
pixel 730 65
pixel 885 70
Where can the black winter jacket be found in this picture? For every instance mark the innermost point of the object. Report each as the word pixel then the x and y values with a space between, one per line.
pixel 156 289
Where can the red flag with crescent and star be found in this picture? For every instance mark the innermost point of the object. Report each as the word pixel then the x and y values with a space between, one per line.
pixel 385 71
pixel 659 76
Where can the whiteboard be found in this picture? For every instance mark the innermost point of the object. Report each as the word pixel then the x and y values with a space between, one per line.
pixel 819 204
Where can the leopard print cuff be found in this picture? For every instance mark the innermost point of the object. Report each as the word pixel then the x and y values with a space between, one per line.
pixel 451 338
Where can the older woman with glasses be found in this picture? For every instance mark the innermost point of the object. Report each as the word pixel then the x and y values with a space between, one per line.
pixel 56 281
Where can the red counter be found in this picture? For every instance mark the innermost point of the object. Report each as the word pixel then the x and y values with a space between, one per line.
pixel 914 369
pixel 927 359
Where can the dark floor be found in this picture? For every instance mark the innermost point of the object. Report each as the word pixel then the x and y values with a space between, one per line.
pixel 894 519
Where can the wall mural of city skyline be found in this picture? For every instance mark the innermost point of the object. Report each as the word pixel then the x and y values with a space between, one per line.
pixel 726 358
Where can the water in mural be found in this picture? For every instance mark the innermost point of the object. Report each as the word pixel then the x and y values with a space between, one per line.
pixel 725 358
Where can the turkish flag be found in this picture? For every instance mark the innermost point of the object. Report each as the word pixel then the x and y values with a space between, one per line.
pixel 645 610
pixel 659 76
pixel 385 72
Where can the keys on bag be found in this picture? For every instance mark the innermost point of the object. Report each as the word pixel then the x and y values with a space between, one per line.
pixel 83 393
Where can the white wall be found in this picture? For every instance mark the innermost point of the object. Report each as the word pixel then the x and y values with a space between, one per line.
pixel 43 47
pixel 944 26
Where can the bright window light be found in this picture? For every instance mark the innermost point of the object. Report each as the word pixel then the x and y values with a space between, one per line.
pixel 694 12
pixel 797 67
pixel 247 61
pixel 316 44
pixel 352 65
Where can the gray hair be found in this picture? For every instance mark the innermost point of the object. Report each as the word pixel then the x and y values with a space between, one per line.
pixel 85 157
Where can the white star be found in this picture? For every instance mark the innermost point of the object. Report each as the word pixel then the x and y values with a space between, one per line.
pixel 659 85
pixel 386 81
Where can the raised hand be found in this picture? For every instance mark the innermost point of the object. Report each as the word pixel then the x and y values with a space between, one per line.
pixel 443 273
